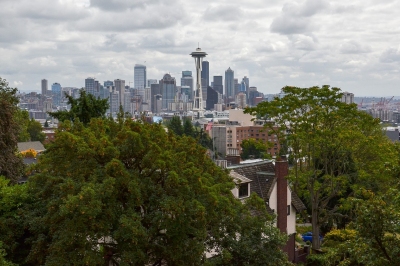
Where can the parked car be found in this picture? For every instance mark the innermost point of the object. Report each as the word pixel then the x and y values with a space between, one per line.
pixel 308 237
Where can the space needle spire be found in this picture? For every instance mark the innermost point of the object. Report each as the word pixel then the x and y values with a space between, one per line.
pixel 198 95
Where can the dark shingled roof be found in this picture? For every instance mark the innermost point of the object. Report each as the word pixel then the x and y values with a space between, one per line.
pixel 263 176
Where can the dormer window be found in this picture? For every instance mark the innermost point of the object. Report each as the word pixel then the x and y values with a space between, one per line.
pixel 244 190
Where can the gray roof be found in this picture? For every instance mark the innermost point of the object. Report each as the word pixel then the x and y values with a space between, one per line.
pixel 35 145
pixel 238 177
pixel 263 176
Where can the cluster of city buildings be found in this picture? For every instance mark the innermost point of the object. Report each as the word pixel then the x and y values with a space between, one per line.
pixel 165 95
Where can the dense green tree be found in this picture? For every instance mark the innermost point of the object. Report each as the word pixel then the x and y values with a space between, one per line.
pixel 188 129
pixel 13 220
pixel 11 165
pixel 375 234
pixel 128 193
pixel 86 107
pixel 46 124
pixel 35 130
pixel 256 149
pixel 175 125
pixel 330 143
pixel 3 261
pixel 22 119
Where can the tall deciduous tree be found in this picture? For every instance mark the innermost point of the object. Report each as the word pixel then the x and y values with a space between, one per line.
pixel 35 131
pixel 131 194
pixel 255 149
pixel 377 228
pixel 86 107
pixel 11 165
pixel 325 138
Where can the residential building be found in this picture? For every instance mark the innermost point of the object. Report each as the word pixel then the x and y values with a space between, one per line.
pixel 348 97
pixel 268 180
pixel 241 101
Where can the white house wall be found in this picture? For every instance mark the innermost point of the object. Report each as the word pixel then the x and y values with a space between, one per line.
pixel 291 219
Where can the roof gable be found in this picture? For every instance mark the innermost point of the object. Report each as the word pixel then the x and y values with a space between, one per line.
pixel 35 145
pixel 262 175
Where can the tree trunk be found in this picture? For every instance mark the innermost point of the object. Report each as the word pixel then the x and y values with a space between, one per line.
pixel 316 244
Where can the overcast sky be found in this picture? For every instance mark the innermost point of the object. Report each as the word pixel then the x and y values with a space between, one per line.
pixel 354 45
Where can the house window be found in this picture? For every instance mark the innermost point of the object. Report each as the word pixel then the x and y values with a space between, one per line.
pixel 244 190
pixel 288 210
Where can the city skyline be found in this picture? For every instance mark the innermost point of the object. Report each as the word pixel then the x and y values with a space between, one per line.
pixel 353 46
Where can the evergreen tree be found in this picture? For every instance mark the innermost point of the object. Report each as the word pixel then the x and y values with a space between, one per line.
pixel 175 125
pixel 188 129
pixel 84 108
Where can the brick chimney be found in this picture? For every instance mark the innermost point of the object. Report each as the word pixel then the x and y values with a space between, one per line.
pixel 281 171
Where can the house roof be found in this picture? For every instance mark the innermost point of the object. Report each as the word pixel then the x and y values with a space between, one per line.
pixel 263 176
pixel 238 177
pixel 35 145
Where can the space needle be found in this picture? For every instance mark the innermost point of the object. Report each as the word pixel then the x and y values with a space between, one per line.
pixel 198 95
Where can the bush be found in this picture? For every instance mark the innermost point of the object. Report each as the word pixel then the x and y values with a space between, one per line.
pixel 31 153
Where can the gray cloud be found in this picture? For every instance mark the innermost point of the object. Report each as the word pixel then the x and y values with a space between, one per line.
pixel 353 47
pixel 120 5
pixel 390 55
pixel 339 43
pixel 296 18
pixel 223 13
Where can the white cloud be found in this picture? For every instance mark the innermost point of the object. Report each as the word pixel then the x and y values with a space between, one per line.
pixel 353 45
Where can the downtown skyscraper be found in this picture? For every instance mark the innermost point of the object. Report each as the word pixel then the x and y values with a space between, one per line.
pixel 230 84
pixel 45 87
pixel 140 76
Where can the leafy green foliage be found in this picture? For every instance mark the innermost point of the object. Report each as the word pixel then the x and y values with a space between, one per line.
pixel 187 129
pixel 333 147
pixel 84 108
pixel 22 119
pixel 35 130
pixel 377 227
pixel 13 199
pixel 175 125
pixel 256 149
pixel 131 194
pixel 11 165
